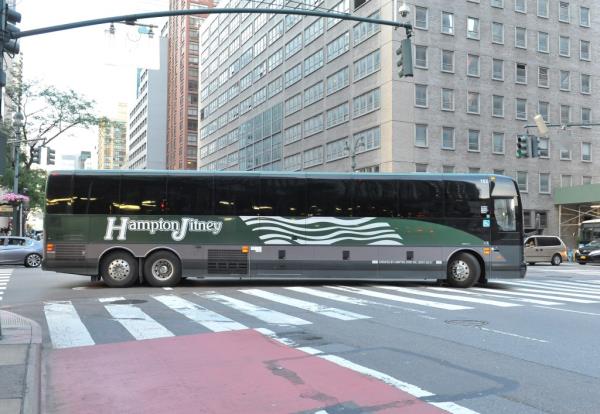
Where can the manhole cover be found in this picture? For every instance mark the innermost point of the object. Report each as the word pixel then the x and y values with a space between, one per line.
pixel 127 302
pixel 466 322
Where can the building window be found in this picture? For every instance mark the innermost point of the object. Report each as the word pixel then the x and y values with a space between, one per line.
pixel 313 94
pixel 447 99
pixel 585 50
pixel 497 33
pixel 448 169
pixel 338 115
pixel 543 147
pixel 521 6
pixel 293 75
pixel 293 46
pixel 586 180
pixel 543 8
pixel 543 110
pixel 521 73
pixel 586 151
pixel 313 62
pixel 275 60
pixel 543 42
pixel 313 156
pixel 564 12
pixel 565 114
pixel 420 168
pixel 497 3
pixel 313 31
pixel 313 125
pixel 342 7
pixel 498 143
pixel 275 33
pixel 367 65
pixel 275 87
pixel 522 180
pixel 338 80
pixel 421 135
pixel 521 109
pixel 422 18
pixel 564 46
pixel 368 140
pixel 472 65
pixel 544 183
pixel 421 57
pixel 586 115
pixel 448 23
pixel 448 61
pixel 473 140
pixel 293 162
pixel 586 84
pixel 363 31
pixel 338 46
pixel 498 171
pixel 366 103
pixel 472 28
pixel 543 78
pixel 565 80
pixel 498 70
pixel 584 16
pixel 566 180
pixel 448 138
pixel 421 95
pixel 521 37
pixel 498 106
pixel 260 46
pixel 293 104
pixel 337 149
pixel 565 152
pixel 473 103
pixel 292 134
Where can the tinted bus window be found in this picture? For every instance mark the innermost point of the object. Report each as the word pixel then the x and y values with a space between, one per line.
pixel 104 195
pixel 282 196
pixel 190 195
pixel 375 198
pixel 329 197
pixel 465 198
pixel 59 194
pixel 420 199
pixel 81 193
pixel 143 195
pixel 236 196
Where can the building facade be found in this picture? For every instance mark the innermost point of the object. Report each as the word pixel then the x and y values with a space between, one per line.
pixel 147 135
pixel 112 141
pixel 182 86
pixel 291 93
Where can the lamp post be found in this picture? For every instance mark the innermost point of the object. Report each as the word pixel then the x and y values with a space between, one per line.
pixel 352 144
pixel 18 123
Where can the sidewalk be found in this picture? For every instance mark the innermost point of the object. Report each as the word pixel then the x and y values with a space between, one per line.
pixel 20 354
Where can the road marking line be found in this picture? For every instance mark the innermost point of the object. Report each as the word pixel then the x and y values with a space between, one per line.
pixel 168 288
pixel 309 306
pixel 397 298
pixel 211 320
pixel 450 297
pixel 532 295
pixel 65 326
pixel 512 334
pixel 561 293
pixel 554 286
pixel 2 287
pixel 535 301
pixel 568 310
pixel 264 314
pixel 136 321
pixel 575 285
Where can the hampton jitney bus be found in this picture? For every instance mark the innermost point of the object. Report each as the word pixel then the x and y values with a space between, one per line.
pixel 159 226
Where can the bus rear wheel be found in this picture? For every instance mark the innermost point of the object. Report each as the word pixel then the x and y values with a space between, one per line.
pixel 162 269
pixel 119 269
pixel 463 270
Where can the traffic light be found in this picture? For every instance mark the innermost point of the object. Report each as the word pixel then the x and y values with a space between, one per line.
pixel 534 143
pixel 405 58
pixel 50 156
pixel 36 155
pixel 8 18
pixel 522 146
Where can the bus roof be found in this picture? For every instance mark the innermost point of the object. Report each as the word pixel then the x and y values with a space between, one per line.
pixel 593 221
pixel 303 174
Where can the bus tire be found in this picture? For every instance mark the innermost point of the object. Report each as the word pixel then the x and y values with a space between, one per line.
pixel 162 269
pixel 463 270
pixel 119 269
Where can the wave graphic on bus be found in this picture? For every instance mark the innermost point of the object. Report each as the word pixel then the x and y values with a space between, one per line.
pixel 322 230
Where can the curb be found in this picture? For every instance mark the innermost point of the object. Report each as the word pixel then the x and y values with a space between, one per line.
pixel 32 382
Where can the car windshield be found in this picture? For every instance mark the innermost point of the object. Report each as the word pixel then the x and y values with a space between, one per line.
pixel 593 244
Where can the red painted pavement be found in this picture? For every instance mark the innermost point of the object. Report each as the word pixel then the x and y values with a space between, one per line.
pixel 229 372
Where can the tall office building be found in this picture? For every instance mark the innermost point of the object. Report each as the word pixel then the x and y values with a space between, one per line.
pixel 112 140
pixel 147 140
pixel 292 93
pixel 182 86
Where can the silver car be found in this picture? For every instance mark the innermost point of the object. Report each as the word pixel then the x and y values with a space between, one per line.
pixel 20 250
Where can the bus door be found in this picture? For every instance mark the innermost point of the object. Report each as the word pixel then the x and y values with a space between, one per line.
pixel 506 230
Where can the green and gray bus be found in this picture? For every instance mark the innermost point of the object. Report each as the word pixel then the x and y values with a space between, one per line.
pixel 161 226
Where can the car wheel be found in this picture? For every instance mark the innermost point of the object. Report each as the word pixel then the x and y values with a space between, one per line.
pixel 162 269
pixel 119 269
pixel 582 263
pixel 463 271
pixel 33 260
pixel 556 260
pixel 531 263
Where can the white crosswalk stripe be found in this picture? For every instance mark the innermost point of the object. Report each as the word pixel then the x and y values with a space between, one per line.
pixel 263 314
pixel 137 322
pixel 308 306
pixel 468 292
pixel 568 285
pixel 403 299
pixel 211 320
pixel 450 297
pixel 65 326
pixel 551 288
pixel 533 295
pixel 561 293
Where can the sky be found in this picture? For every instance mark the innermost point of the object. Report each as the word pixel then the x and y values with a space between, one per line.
pixel 88 60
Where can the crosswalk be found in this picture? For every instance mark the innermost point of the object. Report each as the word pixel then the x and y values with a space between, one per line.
pixel 75 322
pixel 5 275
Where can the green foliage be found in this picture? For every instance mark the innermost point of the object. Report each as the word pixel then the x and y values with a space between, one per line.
pixel 34 180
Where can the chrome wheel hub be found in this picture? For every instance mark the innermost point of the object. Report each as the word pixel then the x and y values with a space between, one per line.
pixel 34 260
pixel 119 269
pixel 163 269
pixel 460 270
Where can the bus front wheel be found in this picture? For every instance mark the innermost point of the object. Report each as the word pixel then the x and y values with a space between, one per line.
pixel 162 269
pixel 463 270
pixel 119 269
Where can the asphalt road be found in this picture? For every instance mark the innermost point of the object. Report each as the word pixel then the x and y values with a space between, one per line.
pixel 523 346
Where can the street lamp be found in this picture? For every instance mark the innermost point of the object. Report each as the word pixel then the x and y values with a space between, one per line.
pixel 356 143
pixel 18 123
